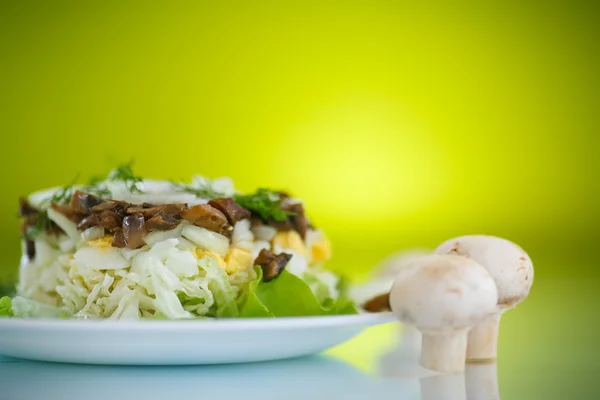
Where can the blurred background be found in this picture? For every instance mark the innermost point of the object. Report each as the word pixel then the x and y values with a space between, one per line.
pixel 400 125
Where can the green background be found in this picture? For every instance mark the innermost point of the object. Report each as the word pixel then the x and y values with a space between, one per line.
pixel 401 125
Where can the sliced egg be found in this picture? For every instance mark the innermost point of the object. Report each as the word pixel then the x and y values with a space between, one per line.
pixel 105 241
pixel 320 250
pixel 238 260
pixel 290 240
pixel 201 253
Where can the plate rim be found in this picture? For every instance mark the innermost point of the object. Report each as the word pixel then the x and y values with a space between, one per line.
pixel 277 323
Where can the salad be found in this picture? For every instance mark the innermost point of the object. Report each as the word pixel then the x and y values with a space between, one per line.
pixel 124 247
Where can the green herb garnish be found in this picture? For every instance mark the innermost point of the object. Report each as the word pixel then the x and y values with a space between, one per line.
pixel 94 180
pixel 99 190
pixel 265 203
pixel 205 191
pixel 62 195
pixel 96 187
pixel 125 173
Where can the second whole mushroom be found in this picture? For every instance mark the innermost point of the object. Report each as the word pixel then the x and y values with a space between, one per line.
pixel 512 271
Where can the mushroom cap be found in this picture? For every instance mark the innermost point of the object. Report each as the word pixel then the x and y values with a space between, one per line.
pixel 443 292
pixel 506 262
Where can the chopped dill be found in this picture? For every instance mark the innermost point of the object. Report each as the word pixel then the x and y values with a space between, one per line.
pixel 96 187
pixel 125 173
pixel 205 191
pixel 62 195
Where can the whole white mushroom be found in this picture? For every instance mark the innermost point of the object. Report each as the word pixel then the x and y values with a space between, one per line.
pixel 443 296
pixel 512 271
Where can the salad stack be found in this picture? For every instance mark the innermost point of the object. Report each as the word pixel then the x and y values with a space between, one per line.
pixel 127 247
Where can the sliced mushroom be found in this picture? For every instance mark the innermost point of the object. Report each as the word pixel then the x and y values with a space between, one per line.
pixel 26 223
pixel 110 220
pixel 282 225
pixel 67 212
pixel 264 257
pixel 275 267
pixel 172 209
pixel 134 229
pixel 89 221
pixel 271 264
pixel 30 248
pixel 227 231
pixel 299 219
pixel 25 208
pixel 206 216
pixel 230 208
pixel 121 208
pixel 149 212
pixel 378 303
pixel 107 205
pixel 161 222
pixel 119 240
pixel 82 203
pixel 219 215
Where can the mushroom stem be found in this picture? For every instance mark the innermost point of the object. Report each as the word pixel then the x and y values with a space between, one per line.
pixel 444 352
pixel 483 340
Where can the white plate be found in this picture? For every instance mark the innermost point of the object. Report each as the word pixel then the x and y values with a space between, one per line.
pixel 178 342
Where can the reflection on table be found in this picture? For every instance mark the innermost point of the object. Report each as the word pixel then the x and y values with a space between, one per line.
pixel 315 377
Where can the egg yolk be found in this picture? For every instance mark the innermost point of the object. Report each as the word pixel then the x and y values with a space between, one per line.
pixel 201 253
pixel 106 241
pixel 290 240
pixel 321 250
pixel 238 260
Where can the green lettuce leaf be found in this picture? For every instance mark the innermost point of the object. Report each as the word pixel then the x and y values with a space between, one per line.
pixel 249 304
pixel 6 307
pixel 287 296
pixel 27 308
pixel 344 304
pixel 320 289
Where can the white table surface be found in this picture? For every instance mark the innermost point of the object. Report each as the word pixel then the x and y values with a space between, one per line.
pixel 372 365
